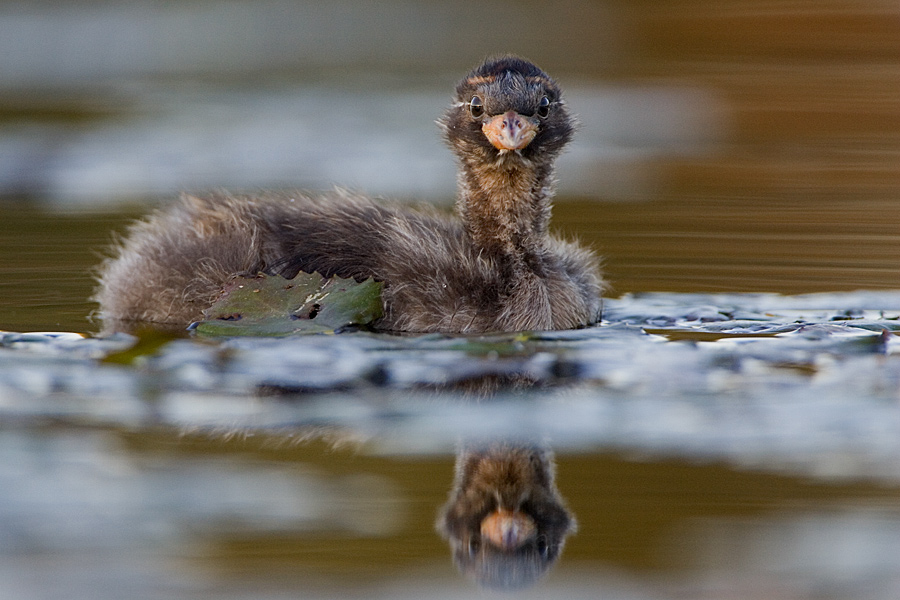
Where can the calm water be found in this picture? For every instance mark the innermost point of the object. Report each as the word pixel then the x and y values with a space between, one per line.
pixel 706 444
pixel 679 245
pixel 731 431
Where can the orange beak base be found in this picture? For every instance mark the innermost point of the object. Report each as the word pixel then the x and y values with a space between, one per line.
pixel 507 530
pixel 510 131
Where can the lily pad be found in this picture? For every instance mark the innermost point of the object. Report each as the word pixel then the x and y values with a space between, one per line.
pixel 270 305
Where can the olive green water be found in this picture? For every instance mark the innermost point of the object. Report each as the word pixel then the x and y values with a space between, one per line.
pixel 709 446
pixel 172 475
pixel 678 244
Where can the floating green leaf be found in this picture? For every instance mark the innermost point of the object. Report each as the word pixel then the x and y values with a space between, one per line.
pixel 308 303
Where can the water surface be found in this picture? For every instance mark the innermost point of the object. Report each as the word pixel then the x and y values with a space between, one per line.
pixel 731 430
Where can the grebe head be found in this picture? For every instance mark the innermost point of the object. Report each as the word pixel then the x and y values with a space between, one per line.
pixel 508 111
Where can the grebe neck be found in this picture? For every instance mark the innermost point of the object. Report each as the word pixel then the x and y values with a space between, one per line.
pixel 505 205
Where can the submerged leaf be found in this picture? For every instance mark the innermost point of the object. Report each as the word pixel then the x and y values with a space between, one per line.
pixel 308 303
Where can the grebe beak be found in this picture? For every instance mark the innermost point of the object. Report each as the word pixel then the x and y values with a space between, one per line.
pixel 507 530
pixel 510 131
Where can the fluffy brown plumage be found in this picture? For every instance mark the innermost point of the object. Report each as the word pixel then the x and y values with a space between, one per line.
pixel 505 520
pixel 494 268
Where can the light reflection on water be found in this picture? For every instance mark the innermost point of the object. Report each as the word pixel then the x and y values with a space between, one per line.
pixel 174 515
pixel 180 481
pixel 740 147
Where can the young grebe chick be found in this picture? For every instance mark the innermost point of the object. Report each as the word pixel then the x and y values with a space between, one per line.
pixel 495 268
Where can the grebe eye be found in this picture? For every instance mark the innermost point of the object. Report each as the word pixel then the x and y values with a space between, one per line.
pixel 474 546
pixel 543 548
pixel 544 107
pixel 476 107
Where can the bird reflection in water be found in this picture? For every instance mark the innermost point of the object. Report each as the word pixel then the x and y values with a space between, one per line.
pixel 505 519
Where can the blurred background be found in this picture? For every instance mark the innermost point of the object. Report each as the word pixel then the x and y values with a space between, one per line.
pixel 724 145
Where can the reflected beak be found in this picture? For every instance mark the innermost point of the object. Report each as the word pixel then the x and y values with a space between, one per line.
pixel 510 131
pixel 506 529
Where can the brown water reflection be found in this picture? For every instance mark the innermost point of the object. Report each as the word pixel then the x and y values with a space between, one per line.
pixel 46 261
pixel 691 244
pixel 802 192
pixel 505 520
pixel 214 493
pixel 660 520
pixel 798 192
